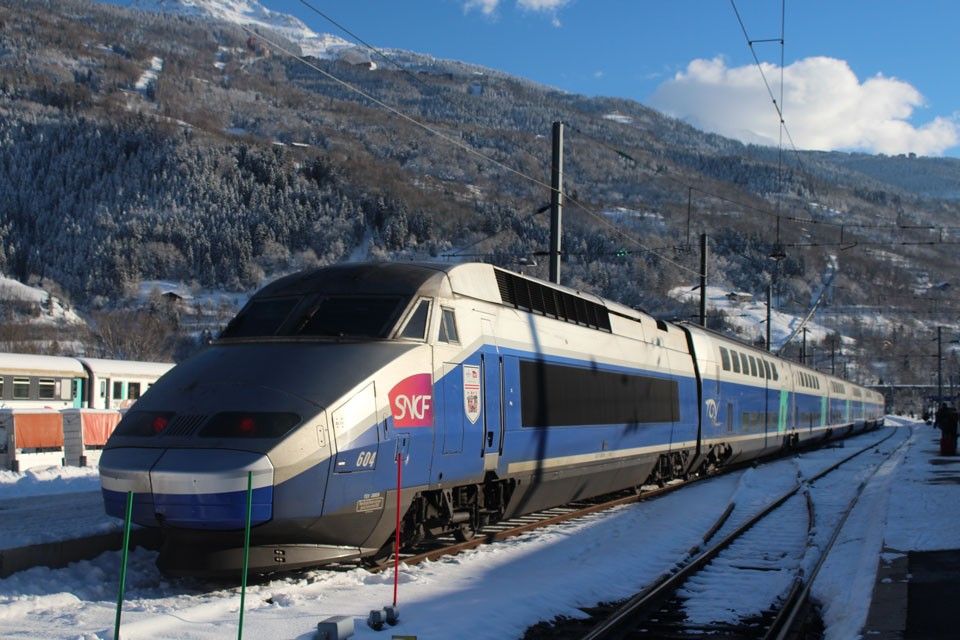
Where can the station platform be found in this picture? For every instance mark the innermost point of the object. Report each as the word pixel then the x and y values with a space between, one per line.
pixel 916 595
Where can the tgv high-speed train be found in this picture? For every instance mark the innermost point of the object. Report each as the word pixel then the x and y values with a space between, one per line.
pixel 498 393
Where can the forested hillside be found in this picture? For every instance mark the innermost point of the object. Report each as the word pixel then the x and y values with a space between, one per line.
pixel 138 146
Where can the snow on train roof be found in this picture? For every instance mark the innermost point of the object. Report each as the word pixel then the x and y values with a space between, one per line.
pixel 103 367
pixel 40 365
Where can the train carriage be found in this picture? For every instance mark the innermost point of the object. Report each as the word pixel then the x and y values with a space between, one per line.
pixel 37 382
pixel 498 393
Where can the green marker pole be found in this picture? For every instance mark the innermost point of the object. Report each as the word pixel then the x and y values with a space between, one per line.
pixel 246 551
pixel 123 563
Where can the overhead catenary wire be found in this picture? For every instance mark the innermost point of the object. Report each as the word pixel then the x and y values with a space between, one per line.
pixel 763 75
pixel 462 145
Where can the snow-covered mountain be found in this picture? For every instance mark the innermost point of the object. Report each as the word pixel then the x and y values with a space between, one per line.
pixel 251 12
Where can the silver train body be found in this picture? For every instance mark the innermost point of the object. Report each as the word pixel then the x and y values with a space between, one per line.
pixel 497 393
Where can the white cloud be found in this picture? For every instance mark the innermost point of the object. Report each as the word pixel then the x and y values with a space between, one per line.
pixel 541 5
pixel 825 107
pixel 486 7
pixel 489 7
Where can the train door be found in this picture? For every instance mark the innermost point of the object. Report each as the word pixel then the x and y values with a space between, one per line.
pixel 78 399
pixel 451 407
pixel 491 366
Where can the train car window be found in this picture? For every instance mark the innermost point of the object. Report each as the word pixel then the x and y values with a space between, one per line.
pixel 353 317
pixel 417 324
pixel 133 390
pixel 260 318
pixel 773 368
pixel 448 327
pixel 557 395
pixel 21 388
pixel 103 388
pixel 118 390
pixel 46 389
pixel 753 367
pixel 766 369
pixel 744 364
pixel 725 358
pixel 735 360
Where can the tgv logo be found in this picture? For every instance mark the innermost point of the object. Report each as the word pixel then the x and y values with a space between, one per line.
pixel 411 401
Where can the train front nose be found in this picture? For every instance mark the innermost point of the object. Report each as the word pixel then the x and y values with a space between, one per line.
pixel 188 488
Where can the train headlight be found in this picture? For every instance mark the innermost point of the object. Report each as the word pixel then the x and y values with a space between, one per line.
pixel 241 424
pixel 143 423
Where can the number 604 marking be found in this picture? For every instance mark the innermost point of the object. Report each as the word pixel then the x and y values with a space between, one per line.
pixel 367 459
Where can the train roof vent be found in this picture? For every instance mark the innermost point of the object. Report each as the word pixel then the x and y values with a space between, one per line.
pixel 184 425
pixel 545 300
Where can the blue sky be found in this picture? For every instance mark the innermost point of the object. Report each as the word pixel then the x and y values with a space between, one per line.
pixel 880 76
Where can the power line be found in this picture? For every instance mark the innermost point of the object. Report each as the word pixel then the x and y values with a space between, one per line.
pixel 750 207
pixel 369 46
pixel 463 146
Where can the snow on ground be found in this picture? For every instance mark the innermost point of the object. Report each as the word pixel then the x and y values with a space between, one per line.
pixel 51 308
pixel 149 76
pixel 252 13
pixel 49 504
pixel 618 117
pixel 43 481
pixel 924 512
pixel 538 576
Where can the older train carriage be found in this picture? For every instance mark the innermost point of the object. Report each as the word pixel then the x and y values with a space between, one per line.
pixel 498 393
pixel 54 382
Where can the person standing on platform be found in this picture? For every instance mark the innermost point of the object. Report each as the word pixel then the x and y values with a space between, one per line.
pixel 947 420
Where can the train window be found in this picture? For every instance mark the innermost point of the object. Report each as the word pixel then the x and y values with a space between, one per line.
pixel 725 359
pixel 46 389
pixel 133 390
pixel 766 369
pixel 417 324
pixel 773 368
pixel 21 388
pixel 118 391
pixel 340 317
pixel 557 395
pixel 753 366
pixel 745 364
pixel 260 318
pixel 735 360
pixel 448 327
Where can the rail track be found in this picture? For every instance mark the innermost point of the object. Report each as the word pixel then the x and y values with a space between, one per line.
pixel 765 564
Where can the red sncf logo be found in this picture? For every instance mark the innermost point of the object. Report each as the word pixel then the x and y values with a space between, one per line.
pixel 411 401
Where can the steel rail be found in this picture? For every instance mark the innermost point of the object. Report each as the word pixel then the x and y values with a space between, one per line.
pixel 656 593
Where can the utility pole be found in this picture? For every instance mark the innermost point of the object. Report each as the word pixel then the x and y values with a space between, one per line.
pixel 803 348
pixel 769 302
pixel 703 280
pixel 939 365
pixel 556 201
pixel 833 357
pixel 689 203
